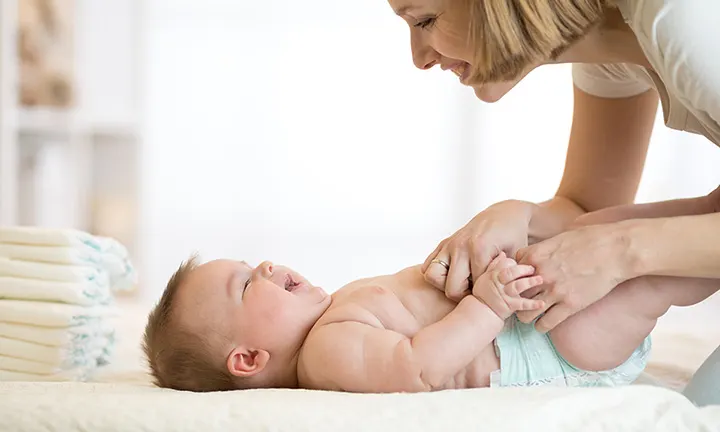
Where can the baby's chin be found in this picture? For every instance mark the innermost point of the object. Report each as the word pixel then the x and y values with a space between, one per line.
pixel 322 296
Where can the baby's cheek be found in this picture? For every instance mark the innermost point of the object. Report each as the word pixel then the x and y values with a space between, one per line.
pixel 275 313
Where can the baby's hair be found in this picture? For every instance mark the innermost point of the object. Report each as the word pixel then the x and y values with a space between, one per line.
pixel 510 35
pixel 178 358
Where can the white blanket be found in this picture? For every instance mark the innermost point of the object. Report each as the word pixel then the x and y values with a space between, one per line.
pixel 122 399
pixel 121 407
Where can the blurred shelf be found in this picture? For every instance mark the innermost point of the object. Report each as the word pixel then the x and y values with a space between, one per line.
pixel 57 122
pixel 46 121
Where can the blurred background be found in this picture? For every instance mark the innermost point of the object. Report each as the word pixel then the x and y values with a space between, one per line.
pixel 298 132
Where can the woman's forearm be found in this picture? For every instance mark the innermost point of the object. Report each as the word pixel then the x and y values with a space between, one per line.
pixel 552 217
pixel 684 246
pixel 678 207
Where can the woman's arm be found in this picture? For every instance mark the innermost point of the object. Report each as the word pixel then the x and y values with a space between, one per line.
pixel 605 159
pixel 678 207
pixel 606 154
pixel 675 246
pixel 666 238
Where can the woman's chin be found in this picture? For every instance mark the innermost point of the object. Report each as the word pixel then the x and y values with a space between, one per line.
pixel 495 91
pixel 492 93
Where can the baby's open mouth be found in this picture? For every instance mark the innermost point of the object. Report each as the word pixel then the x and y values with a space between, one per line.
pixel 290 284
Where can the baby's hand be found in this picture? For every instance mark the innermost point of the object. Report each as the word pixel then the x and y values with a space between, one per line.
pixel 503 282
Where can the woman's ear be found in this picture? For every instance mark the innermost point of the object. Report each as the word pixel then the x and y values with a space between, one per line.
pixel 243 362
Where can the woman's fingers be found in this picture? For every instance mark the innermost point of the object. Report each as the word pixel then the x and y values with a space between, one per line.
pixel 457 282
pixel 480 262
pixel 554 316
pixel 437 272
pixel 432 256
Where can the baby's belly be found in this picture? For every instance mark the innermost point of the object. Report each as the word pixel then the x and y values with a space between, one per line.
pixel 477 373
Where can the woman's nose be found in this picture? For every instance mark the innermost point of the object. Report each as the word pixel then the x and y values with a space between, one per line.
pixel 424 56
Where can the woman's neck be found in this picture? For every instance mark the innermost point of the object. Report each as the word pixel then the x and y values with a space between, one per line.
pixel 611 41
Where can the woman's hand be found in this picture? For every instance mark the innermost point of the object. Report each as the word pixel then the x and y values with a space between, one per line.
pixel 578 267
pixel 502 227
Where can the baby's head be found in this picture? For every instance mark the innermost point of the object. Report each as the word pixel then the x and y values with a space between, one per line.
pixel 224 325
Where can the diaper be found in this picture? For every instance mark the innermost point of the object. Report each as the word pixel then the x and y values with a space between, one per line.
pixel 529 358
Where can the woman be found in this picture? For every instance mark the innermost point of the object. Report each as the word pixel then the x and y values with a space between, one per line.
pixel 627 55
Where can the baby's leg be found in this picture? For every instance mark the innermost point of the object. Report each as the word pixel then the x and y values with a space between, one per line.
pixel 606 333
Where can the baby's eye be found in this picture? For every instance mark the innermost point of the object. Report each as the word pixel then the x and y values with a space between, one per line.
pixel 247 283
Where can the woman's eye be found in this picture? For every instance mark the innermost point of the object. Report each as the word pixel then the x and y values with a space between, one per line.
pixel 426 23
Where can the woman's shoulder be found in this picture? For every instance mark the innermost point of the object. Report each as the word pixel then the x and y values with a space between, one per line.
pixel 673 17
pixel 612 80
pixel 681 39
pixel 677 33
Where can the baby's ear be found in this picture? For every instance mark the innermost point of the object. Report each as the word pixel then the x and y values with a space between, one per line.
pixel 243 362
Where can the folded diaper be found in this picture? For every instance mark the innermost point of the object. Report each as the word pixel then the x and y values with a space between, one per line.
pixel 57 336
pixel 115 259
pixel 79 293
pixel 100 339
pixel 31 235
pixel 47 314
pixel 58 357
pixel 54 272
pixel 101 255
pixel 81 255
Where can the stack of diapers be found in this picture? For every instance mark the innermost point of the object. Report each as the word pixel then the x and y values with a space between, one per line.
pixel 57 290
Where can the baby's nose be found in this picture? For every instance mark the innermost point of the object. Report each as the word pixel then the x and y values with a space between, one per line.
pixel 265 269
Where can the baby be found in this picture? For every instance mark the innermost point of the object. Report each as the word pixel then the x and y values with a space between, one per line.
pixel 225 325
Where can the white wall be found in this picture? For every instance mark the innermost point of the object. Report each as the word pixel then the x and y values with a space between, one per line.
pixel 108 40
pixel 300 132
pixel 296 133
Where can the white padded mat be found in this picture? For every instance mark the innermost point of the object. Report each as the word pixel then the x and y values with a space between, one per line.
pixel 122 399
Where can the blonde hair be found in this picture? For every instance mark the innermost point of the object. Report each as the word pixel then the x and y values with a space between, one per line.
pixel 511 35
pixel 178 358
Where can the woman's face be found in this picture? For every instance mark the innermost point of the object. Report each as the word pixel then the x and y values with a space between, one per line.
pixel 439 35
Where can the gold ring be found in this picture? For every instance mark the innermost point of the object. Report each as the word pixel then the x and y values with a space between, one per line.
pixel 442 263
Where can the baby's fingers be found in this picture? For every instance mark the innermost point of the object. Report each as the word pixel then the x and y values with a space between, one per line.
pixel 507 275
pixel 523 304
pixel 515 288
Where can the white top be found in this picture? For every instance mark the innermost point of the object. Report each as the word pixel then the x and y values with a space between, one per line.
pixel 681 39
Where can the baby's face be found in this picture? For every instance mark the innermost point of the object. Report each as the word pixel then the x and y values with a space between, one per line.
pixel 268 307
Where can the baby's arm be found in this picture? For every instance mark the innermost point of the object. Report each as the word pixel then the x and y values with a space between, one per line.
pixel 357 357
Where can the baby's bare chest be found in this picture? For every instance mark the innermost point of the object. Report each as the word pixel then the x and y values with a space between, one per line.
pixel 393 303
